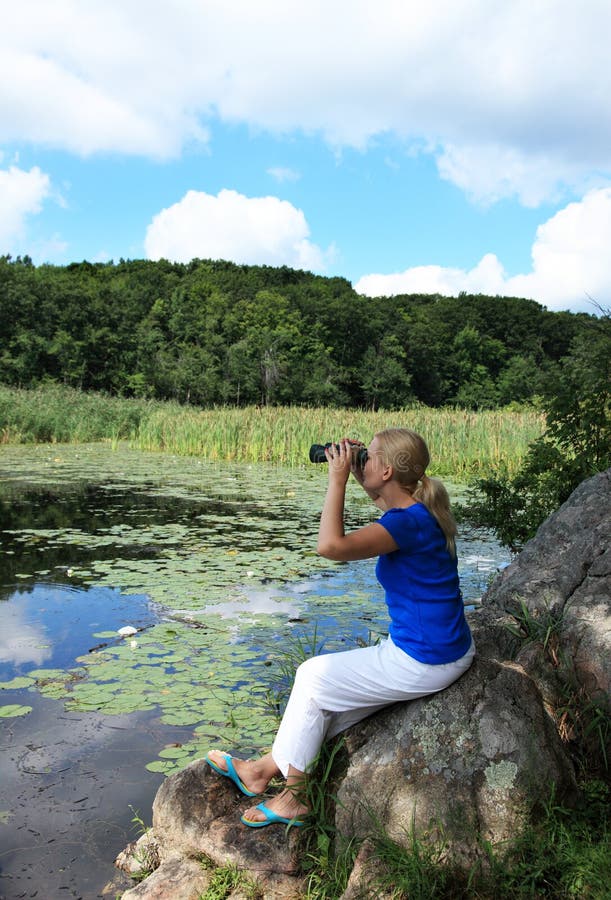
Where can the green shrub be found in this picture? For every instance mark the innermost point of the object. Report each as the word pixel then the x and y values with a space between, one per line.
pixel 575 445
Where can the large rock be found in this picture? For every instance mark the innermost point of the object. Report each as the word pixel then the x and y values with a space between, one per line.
pixel 196 815
pixel 196 811
pixel 561 578
pixel 470 761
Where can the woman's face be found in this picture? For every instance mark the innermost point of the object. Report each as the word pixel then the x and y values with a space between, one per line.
pixel 375 465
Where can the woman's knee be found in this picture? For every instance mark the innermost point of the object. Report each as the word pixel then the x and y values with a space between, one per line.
pixel 309 677
pixel 308 669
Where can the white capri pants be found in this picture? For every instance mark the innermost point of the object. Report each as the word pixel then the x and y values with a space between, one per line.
pixel 336 690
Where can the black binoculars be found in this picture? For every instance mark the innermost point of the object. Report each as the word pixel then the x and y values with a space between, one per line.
pixel 317 453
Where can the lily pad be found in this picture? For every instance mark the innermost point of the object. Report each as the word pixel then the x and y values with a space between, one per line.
pixel 16 683
pixel 166 767
pixel 12 710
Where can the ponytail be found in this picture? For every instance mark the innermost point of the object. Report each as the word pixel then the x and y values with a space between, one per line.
pixel 432 492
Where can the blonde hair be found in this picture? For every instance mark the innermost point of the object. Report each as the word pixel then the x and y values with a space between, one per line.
pixel 408 454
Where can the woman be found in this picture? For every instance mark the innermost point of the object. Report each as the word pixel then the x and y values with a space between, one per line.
pixel 429 644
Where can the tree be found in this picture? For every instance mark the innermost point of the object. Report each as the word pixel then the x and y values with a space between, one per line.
pixel 519 380
pixel 477 360
pixel 384 379
pixel 576 443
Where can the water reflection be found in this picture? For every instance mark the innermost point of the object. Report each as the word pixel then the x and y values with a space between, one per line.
pixel 254 603
pixel 54 624
pixel 66 785
pixel 21 641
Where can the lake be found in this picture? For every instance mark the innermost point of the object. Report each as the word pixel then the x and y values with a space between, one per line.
pixel 212 569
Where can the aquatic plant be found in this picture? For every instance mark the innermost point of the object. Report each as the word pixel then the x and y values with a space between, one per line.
pixel 462 442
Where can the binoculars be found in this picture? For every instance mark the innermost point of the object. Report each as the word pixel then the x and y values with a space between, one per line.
pixel 317 453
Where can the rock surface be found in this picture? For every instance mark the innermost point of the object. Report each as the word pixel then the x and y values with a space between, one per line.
pixel 562 575
pixel 197 812
pixel 178 878
pixel 469 761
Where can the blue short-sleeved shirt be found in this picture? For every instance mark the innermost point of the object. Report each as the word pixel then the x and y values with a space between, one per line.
pixel 422 588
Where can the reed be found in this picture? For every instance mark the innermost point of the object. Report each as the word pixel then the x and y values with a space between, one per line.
pixel 461 442
pixel 60 414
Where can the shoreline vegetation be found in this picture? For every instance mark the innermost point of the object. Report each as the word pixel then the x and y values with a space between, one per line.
pixel 463 442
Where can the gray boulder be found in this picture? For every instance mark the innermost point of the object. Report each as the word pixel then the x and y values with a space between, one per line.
pixel 468 763
pixel 561 578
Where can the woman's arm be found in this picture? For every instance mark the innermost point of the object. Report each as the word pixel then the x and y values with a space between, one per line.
pixel 333 543
pixel 372 540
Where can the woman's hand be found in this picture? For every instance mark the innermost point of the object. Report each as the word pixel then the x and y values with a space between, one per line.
pixel 340 457
pixel 357 470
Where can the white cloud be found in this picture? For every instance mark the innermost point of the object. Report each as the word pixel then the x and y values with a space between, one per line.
pixel 488 173
pixel 571 264
pixel 21 195
pixel 248 230
pixel 511 98
pixel 283 173
pixel 483 279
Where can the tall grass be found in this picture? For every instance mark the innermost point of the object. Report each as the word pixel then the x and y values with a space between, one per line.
pixel 462 442
pixel 59 414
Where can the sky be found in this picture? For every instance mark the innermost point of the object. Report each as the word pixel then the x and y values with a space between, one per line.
pixel 436 146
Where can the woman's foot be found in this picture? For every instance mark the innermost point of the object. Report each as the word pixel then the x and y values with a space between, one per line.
pixel 255 774
pixel 286 804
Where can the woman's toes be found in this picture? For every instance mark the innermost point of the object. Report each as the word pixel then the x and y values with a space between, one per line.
pixel 254 814
pixel 218 759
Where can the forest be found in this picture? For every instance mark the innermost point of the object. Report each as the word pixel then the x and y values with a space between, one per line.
pixel 213 332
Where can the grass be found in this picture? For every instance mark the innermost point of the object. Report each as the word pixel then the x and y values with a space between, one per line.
pixel 462 442
pixel 226 880
pixel 59 414
pixel 562 854
pixel 566 853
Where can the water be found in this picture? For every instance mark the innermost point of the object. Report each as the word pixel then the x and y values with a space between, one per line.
pixel 213 566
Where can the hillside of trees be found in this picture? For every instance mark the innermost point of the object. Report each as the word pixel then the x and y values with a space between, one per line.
pixel 211 332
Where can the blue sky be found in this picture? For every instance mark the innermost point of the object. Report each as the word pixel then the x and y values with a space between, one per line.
pixel 407 146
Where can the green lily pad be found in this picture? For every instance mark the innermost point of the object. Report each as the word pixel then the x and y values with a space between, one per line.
pixel 12 710
pixel 42 675
pixel 15 683
pixel 173 753
pixel 164 766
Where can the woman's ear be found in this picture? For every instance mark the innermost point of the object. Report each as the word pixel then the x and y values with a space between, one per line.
pixel 387 473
